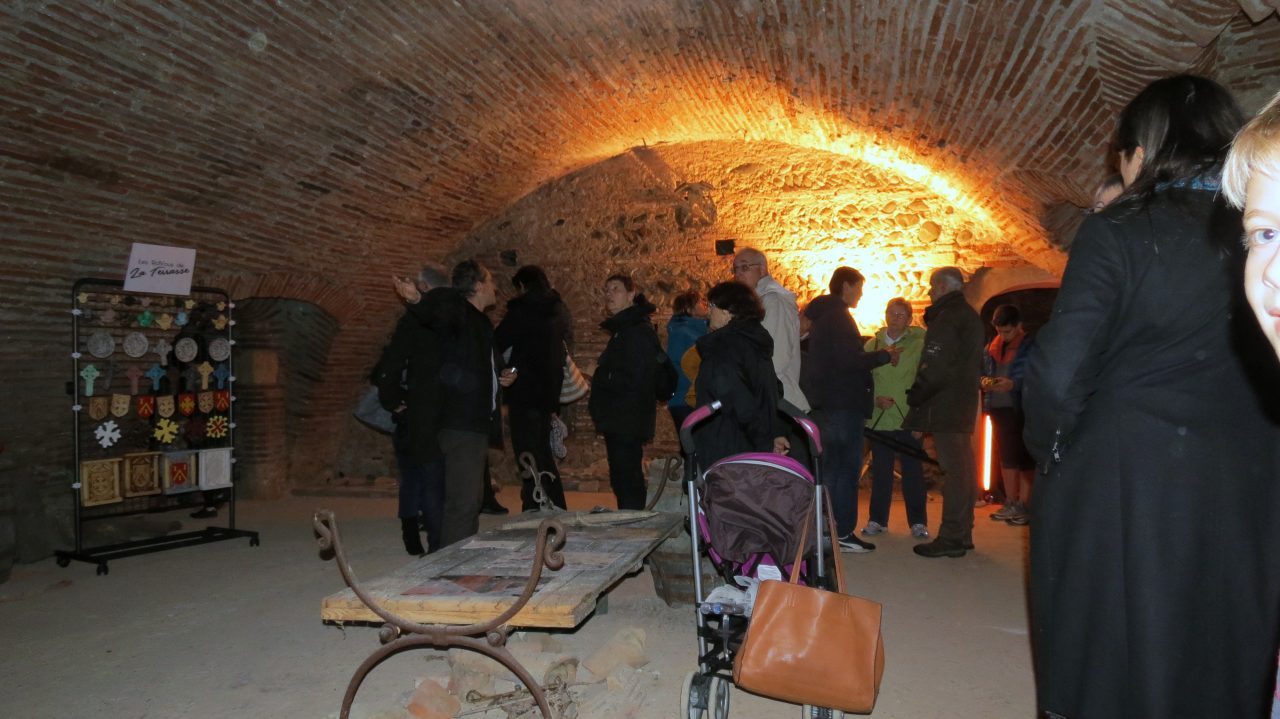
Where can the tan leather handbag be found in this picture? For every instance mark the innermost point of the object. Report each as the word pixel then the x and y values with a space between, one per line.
pixel 810 646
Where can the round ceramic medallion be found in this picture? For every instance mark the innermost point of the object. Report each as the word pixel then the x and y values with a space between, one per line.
pixel 186 349
pixel 136 344
pixel 101 344
pixel 219 349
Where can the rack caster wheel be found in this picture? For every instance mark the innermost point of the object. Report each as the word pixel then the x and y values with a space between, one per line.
pixel 812 712
pixel 103 569
pixel 253 541
pixel 64 561
pixel 693 696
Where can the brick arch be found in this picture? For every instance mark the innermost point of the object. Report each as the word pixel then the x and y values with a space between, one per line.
pixel 336 299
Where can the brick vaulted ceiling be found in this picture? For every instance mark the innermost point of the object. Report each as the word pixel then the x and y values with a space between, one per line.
pixel 309 148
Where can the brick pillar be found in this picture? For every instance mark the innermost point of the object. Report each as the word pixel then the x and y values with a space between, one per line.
pixel 261 456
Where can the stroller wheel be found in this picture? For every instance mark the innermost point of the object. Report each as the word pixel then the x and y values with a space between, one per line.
pixel 693 696
pixel 812 712
pixel 718 694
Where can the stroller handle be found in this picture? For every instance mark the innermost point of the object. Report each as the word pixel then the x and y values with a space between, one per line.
pixel 811 433
pixel 698 415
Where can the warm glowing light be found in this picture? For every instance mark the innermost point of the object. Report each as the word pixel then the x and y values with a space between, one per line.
pixel 986 452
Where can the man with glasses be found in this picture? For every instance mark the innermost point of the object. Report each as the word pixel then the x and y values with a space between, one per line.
pixel 781 321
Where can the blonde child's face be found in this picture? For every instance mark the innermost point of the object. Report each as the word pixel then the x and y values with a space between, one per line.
pixel 1262 269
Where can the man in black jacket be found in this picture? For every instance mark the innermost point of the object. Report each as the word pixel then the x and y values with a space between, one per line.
pixel 465 390
pixel 406 380
pixel 836 378
pixel 944 402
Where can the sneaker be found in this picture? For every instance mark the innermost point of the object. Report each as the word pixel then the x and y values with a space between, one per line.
pixel 494 508
pixel 851 543
pixel 980 503
pixel 205 513
pixel 919 531
pixel 873 528
pixel 1004 512
pixel 940 548
pixel 1019 518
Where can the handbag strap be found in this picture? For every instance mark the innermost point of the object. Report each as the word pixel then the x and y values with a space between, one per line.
pixel 804 535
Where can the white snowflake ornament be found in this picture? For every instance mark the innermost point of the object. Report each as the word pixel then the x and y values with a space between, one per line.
pixel 108 433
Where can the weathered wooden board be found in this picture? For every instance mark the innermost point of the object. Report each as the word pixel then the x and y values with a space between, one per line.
pixel 475 580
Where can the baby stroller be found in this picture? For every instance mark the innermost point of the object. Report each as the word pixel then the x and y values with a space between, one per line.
pixel 745 513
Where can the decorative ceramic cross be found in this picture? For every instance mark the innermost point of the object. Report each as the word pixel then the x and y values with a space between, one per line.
pixel 163 348
pixel 221 374
pixel 164 321
pixel 205 369
pixel 155 374
pixel 191 375
pixel 89 373
pixel 145 318
pixel 134 373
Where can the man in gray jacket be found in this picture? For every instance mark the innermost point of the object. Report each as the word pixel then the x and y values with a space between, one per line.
pixel 944 402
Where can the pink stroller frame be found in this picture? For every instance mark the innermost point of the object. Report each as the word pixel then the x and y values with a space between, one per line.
pixel 721 628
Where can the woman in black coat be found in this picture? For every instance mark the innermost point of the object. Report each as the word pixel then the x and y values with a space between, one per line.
pixel 622 402
pixel 737 370
pixel 533 336
pixel 1155 578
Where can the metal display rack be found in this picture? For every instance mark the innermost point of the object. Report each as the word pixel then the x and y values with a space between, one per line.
pixel 119 334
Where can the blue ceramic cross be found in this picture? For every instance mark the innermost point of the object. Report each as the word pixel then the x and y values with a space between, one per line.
pixel 221 374
pixel 155 374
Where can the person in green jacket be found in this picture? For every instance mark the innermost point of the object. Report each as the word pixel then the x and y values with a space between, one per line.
pixel 891 384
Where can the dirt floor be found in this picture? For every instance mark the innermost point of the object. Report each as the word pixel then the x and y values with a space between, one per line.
pixel 229 630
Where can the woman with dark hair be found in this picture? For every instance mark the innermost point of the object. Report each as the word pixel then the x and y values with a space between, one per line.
pixel 737 369
pixel 532 338
pixel 622 403
pixel 1155 581
pixel 688 323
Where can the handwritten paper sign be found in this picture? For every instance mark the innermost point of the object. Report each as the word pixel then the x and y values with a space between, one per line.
pixel 160 269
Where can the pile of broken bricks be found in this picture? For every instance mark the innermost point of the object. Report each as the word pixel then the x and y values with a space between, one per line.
pixel 608 683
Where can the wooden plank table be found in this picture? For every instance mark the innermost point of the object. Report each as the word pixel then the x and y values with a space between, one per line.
pixel 477 579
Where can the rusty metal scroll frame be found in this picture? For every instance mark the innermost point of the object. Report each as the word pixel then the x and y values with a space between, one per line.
pixel 399 634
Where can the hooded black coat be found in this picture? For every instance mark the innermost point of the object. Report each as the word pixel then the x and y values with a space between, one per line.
pixel 622 387
pixel 1155 573
pixel 737 369
pixel 535 329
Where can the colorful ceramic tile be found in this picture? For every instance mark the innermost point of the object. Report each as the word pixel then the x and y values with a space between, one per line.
pixel 100 482
pixel 142 474
pixel 215 468
pixel 179 472
pixel 120 405
pixel 219 349
pixel 136 344
pixel 216 427
pixel 166 430
pixel 101 344
pixel 107 433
